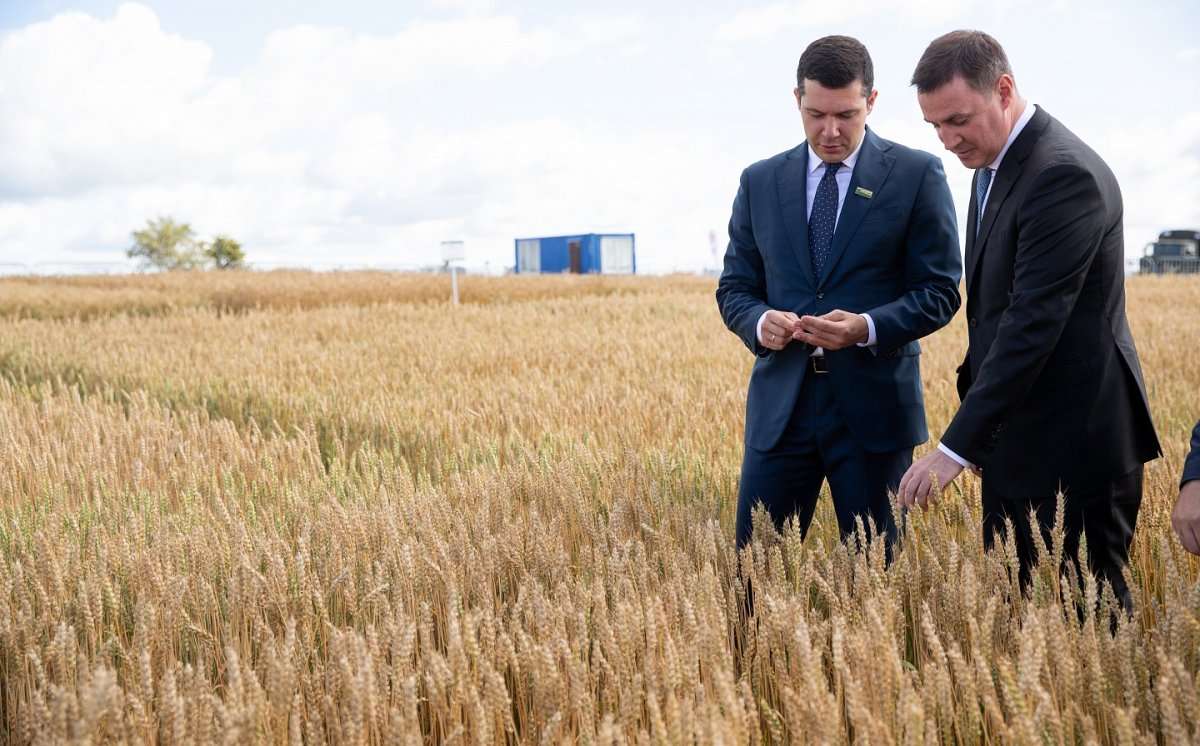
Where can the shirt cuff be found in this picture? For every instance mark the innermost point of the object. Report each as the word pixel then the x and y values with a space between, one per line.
pixel 758 328
pixel 957 459
pixel 870 331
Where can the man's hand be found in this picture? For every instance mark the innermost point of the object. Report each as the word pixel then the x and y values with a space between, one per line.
pixel 833 331
pixel 916 487
pixel 1186 517
pixel 777 329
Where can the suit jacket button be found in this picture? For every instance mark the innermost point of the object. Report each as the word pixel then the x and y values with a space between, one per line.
pixel 973 322
pixel 820 296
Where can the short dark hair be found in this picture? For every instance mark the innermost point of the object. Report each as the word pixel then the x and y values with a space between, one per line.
pixel 836 62
pixel 975 56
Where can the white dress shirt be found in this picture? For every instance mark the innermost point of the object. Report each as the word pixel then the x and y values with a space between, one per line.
pixel 816 171
pixel 994 166
pixel 1012 136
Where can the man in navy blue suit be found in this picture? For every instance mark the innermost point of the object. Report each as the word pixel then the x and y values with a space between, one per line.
pixel 1186 518
pixel 843 252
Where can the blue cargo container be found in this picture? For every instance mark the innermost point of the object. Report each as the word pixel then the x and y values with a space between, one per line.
pixel 587 253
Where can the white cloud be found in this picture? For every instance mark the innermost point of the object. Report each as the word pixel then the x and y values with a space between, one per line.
pixel 764 21
pixel 78 92
pixel 315 149
pixel 334 144
pixel 467 6
pixel 329 58
pixel 1158 166
pixel 88 103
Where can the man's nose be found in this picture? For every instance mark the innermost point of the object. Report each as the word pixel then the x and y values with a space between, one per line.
pixel 949 139
pixel 831 129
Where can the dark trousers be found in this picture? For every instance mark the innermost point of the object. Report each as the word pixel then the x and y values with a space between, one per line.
pixel 815 446
pixel 1106 515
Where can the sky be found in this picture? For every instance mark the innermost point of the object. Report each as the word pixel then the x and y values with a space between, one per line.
pixel 365 133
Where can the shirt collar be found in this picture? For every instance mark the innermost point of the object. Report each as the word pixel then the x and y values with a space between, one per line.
pixel 815 162
pixel 1012 136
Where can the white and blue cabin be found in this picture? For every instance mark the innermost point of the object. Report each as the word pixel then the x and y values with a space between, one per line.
pixel 582 254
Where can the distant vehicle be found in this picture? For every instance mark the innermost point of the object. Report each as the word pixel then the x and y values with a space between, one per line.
pixel 1175 252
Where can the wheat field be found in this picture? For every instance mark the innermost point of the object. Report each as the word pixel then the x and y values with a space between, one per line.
pixel 331 508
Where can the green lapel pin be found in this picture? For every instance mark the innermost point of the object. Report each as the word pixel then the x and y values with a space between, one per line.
pixel 862 192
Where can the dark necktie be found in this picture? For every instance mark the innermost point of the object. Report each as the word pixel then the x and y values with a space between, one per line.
pixel 982 182
pixel 823 218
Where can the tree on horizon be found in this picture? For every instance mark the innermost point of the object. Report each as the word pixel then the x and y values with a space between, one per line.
pixel 166 244
pixel 225 253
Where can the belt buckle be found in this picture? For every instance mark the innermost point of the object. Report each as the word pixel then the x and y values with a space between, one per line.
pixel 818 364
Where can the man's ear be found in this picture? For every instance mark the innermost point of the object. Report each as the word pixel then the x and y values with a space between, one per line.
pixel 871 99
pixel 1006 89
pixel 799 94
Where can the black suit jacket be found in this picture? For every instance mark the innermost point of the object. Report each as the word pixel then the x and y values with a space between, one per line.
pixel 1052 390
pixel 1191 467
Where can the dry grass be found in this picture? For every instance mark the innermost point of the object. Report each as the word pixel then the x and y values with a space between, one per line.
pixel 91 297
pixel 349 513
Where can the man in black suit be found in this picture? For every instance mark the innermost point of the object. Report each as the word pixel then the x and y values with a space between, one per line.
pixel 1051 387
pixel 1186 518
pixel 843 252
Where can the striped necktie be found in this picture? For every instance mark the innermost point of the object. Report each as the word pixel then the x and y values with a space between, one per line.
pixel 982 181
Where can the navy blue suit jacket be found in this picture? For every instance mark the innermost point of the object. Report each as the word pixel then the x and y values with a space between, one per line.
pixel 895 255
pixel 1191 467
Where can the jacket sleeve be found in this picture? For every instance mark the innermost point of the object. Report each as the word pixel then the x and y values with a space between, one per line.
pixel 932 268
pixel 742 288
pixel 1191 467
pixel 1060 226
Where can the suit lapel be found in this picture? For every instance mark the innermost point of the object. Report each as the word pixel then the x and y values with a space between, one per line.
pixel 792 183
pixel 1007 175
pixel 870 171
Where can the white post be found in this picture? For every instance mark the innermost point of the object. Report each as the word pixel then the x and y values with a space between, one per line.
pixel 452 251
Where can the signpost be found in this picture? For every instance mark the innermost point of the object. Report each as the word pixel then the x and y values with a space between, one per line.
pixel 453 251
